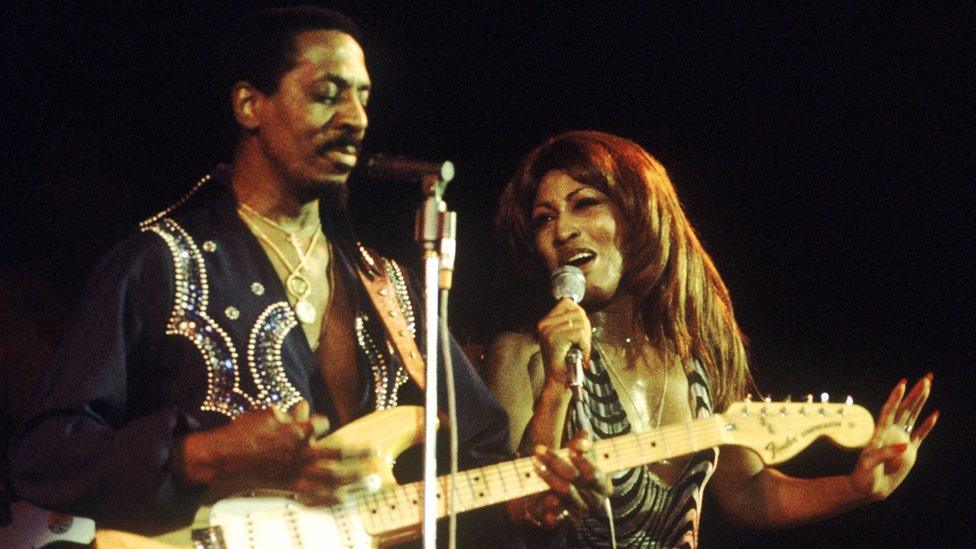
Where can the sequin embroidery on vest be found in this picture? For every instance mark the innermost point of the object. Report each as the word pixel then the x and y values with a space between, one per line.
pixel 264 356
pixel 189 319
pixel 386 381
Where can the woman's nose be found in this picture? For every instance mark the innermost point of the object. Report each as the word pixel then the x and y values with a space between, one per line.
pixel 566 229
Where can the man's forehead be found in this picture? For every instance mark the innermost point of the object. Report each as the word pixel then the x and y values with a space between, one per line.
pixel 317 47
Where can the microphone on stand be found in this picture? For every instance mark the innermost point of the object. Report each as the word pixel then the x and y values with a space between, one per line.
pixel 399 168
pixel 567 281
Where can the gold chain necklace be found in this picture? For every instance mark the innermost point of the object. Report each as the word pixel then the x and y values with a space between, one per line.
pixel 292 235
pixel 295 283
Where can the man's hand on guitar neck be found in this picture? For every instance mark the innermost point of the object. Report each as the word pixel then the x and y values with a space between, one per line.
pixel 270 448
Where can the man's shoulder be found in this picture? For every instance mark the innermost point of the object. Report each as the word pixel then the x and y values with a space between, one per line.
pixel 197 204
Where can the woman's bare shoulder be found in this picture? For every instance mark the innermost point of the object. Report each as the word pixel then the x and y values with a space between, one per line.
pixel 511 352
pixel 514 343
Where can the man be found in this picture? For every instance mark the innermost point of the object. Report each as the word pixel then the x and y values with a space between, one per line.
pixel 215 347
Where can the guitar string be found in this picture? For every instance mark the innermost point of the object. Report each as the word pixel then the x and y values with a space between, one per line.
pixel 628 447
pixel 625 448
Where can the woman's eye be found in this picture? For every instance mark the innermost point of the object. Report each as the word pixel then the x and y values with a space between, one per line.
pixel 584 203
pixel 539 220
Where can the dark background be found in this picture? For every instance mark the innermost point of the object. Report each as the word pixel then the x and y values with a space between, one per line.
pixel 825 156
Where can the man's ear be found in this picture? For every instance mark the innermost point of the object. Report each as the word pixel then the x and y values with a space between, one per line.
pixel 244 99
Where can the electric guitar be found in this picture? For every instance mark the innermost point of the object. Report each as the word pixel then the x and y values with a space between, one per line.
pixel 35 527
pixel 777 431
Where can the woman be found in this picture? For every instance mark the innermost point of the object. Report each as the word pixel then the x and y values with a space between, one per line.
pixel 658 334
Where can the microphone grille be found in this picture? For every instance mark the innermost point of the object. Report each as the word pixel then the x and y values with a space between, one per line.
pixel 567 281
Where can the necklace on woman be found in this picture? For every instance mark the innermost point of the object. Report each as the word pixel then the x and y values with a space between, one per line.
pixel 644 421
pixel 296 283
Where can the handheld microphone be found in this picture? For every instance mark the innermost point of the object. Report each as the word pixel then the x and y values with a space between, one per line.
pixel 399 168
pixel 567 281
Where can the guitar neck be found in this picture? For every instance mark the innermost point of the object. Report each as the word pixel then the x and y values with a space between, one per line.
pixel 401 507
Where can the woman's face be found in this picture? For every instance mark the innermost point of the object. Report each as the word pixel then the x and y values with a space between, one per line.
pixel 576 224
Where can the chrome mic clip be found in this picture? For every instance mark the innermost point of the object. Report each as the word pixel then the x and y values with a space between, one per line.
pixel 574 364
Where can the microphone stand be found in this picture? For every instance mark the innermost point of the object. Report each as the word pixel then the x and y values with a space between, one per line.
pixel 429 229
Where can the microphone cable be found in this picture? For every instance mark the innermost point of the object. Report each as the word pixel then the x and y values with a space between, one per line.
pixel 445 340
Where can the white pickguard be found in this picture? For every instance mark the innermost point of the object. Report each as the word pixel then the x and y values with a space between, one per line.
pixel 282 523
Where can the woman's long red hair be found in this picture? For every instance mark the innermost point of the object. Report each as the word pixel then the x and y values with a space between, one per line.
pixel 682 303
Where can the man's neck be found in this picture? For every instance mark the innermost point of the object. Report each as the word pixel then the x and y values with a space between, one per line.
pixel 261 188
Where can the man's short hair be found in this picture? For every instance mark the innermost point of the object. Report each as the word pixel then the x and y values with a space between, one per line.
pixel 260 47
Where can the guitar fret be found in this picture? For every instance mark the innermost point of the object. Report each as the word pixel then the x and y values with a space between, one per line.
pixel 396 503
pixel 481 485
pixel 472 491
pixel 501 477
pixel 368 514
pixel 496 495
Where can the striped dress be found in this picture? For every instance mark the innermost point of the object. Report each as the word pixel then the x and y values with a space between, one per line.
pixel 645 513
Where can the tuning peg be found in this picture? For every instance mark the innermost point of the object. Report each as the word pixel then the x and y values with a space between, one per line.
pixel 745 409
pixel 847 403
pixel 809 399
pixel 824 397
pixel 789 398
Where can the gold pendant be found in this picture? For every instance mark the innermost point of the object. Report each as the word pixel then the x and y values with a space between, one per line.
pixel 305 311
pixel 297 285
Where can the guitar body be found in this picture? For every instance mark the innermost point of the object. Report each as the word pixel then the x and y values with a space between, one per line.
pixel 387 432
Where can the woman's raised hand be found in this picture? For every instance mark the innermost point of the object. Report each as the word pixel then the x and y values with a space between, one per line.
pixel 886 460
pixel 565 325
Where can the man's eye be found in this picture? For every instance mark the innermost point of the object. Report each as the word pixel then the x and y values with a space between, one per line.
pixel 328 99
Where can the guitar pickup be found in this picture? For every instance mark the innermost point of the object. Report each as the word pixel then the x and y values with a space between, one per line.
pixel 208 538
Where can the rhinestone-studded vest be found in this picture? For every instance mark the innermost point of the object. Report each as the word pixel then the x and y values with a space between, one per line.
pixel 230 305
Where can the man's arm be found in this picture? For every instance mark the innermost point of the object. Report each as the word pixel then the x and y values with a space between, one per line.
pixel 78 450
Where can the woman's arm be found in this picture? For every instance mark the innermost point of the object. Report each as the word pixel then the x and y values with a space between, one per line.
pixel 757 496
pixel 515 376
pixel 529 378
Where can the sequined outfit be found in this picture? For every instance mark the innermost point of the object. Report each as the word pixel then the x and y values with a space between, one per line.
pixel 185 326
pixel 646 513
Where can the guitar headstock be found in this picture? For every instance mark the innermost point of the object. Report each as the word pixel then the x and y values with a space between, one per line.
pixel 777 431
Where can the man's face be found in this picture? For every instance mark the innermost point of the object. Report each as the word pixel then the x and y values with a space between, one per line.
pixel 312 127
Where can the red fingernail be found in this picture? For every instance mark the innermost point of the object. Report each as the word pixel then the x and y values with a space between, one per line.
pixel 930 376
pixel 586 363
pixel 900 447
pixel 935 416
pixel 903 382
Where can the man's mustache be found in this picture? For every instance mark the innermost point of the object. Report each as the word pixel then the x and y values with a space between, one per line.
pixel 341 142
